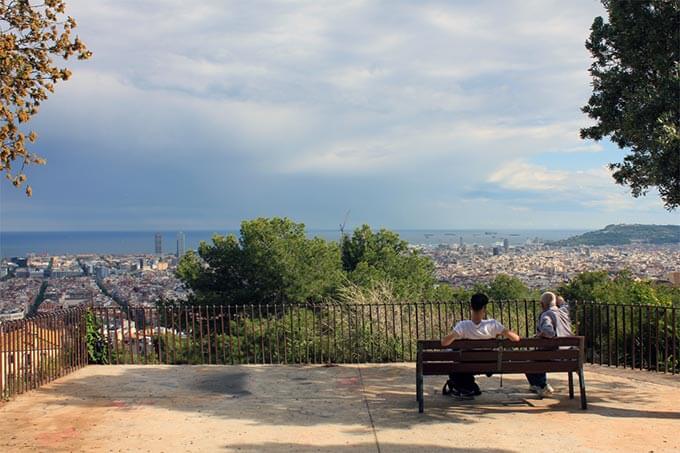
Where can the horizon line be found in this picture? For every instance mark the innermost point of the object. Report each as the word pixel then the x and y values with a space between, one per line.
pixel 217 230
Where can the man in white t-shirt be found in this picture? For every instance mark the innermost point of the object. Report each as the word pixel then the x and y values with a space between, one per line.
pixel 475 328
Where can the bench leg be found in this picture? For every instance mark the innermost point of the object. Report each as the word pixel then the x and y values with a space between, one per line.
pixel 419 393
pixel 582 389
pixel 571 385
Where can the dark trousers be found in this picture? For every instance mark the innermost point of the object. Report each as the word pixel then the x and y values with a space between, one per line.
pixel 538 379
pixel 464 382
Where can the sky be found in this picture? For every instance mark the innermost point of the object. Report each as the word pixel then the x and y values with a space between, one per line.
pixel 415 115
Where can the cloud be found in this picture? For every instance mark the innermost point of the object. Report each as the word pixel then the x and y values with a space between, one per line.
pixel 523 176
pixel 412 114
pixel 591 188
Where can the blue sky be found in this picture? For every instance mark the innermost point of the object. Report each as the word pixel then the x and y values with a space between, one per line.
pixel 410 114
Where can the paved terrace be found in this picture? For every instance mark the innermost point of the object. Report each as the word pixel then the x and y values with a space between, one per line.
pixel 334 409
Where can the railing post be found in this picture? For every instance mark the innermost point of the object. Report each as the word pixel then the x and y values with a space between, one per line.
pixel 3 354
pixel 419 379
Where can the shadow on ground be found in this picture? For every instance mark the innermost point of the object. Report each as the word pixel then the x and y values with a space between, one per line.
pixel 384 446
pixel 394 400
pixel 314 395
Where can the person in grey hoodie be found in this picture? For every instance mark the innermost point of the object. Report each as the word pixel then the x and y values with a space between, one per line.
pixel 553 322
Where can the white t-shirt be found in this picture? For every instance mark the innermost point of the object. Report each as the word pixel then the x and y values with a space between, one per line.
pixel 488 328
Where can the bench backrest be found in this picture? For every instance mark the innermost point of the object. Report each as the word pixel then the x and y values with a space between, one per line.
pixel 530 355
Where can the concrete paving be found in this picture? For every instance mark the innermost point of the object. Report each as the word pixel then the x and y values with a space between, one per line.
pixel 334 409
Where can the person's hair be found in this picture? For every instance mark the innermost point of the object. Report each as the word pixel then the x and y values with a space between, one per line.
pixel 478 301
pixel 560 300
pixel 548 299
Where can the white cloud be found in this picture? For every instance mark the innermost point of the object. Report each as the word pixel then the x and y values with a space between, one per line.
pixel 590 188
pixel 523 176
pixel 427 100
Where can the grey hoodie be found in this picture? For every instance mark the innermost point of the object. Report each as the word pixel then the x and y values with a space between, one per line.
pixel 555 322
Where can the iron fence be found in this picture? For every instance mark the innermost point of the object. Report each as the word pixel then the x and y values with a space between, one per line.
pixel 644 337
pixel 40 349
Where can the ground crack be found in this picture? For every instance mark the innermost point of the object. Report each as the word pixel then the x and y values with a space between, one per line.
pixel 368 409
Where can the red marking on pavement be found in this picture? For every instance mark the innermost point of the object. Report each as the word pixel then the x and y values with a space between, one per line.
pixel 57 436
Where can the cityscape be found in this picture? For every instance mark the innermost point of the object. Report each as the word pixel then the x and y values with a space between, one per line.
pixel 43 283
pixel 543 267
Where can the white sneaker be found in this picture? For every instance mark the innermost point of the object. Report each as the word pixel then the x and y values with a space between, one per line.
pixel 542 392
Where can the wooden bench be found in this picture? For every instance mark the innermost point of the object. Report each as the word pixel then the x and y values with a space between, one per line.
pixel 530 355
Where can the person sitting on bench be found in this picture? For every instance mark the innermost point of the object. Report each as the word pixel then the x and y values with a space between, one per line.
pixel 553 322
pixel 476 328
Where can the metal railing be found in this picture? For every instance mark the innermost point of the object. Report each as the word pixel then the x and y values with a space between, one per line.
pixel 644 337
pixel 40 349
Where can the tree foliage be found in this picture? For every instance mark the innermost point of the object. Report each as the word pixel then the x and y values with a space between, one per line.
pixel 272 261
pixel 371 257
pixel 636 92
pixel 505 287
pixel 32 34
pixel 95 341
pixel 622 288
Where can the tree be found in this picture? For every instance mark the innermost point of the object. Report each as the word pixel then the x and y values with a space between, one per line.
pixel 585 286
pixel 636 92
pixel 621 289
pixel 272 261
pixel 370 258
pixel 505 287
pixel 31 35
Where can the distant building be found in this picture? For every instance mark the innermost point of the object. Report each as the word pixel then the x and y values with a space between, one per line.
pixel 26 272
pixel 20 262
pixel 66 272
pixel 181 239
pixel 496 251
pixel 674 278
pixel 102 272
pixel 506 245
pixel 158 244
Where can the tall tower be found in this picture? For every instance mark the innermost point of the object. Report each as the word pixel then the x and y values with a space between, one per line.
pixel 180 244
pixel 158 243
pixel 506 245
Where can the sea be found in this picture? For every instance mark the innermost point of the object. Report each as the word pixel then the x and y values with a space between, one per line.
pixel 130 242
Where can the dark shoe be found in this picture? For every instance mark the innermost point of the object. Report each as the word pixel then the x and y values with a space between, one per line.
pixel 464 394
pixel 476 390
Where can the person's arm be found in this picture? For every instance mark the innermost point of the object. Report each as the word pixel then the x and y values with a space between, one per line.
pixel 507 333
pixel 546 328
pixel 450 338
pixel 510 335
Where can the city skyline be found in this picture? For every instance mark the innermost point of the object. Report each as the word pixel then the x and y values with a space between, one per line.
pixel 314 110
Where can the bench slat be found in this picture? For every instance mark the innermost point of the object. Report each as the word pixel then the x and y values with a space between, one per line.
pixel 489 344
pixel 487 356
pixel 443 368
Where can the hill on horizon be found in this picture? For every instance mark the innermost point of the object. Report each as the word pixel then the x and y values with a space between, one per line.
pixel 625 234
